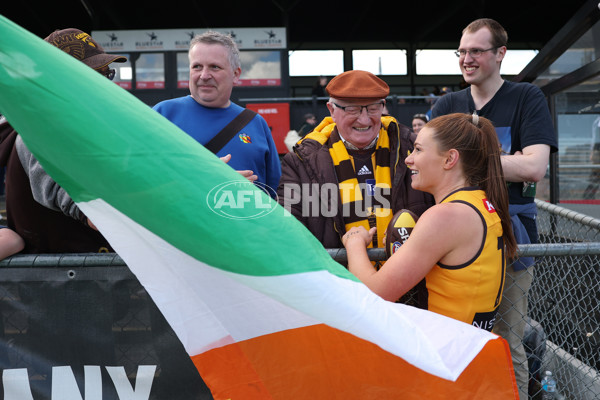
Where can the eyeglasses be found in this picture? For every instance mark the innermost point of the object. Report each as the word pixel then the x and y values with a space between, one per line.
pixel 108 72
pixel 420 116
pixel 475 53
pixel 372 109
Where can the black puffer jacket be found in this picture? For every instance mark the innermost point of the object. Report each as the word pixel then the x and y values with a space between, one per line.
pixel 310 163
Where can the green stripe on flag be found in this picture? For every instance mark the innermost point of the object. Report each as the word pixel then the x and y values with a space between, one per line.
pixel 99 141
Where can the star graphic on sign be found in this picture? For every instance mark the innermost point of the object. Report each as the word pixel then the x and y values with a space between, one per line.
pixel 152 36
pixel 271 34
pixel 113 37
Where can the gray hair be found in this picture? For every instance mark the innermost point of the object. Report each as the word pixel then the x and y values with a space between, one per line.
pixel 225 40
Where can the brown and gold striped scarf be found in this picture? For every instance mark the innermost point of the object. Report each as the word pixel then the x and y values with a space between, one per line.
pixel 350 191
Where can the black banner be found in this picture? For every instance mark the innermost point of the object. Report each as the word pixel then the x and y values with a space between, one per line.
pixel 83 327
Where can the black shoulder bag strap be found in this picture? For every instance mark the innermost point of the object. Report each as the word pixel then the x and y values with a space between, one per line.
pixel 236 124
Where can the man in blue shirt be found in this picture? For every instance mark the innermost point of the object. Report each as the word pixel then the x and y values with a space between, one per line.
pixel 214 69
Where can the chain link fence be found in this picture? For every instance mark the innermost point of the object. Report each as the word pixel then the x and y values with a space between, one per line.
pixel 564 303
pixel 563 334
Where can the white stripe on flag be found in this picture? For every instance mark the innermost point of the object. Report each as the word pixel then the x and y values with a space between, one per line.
pixel 208 307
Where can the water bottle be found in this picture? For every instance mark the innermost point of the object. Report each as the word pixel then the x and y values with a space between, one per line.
pixel 548 386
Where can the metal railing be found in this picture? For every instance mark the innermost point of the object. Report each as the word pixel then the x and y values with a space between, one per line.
pixel 565 300
pixel 564 303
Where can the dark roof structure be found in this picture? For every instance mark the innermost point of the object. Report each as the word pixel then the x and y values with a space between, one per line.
pixel 309 23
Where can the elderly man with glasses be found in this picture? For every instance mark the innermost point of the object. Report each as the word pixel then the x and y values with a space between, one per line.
pixel 350 171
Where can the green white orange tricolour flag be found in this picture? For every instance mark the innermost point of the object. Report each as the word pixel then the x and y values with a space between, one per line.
pixel 259 305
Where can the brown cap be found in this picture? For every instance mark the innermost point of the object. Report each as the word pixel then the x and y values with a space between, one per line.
pixel 81 46
pixel 357 85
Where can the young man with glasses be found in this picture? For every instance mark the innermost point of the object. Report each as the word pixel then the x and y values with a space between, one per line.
pixel 520 114
pixel 350 171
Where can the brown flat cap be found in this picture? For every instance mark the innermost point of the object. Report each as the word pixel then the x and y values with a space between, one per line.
pixel 81 46
pixel 357 85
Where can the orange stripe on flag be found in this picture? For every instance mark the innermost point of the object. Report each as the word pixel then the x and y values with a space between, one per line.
pixel 230 373
pixel 320 362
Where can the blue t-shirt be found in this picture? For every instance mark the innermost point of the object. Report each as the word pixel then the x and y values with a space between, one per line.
pixel 251 148
pixel 520 114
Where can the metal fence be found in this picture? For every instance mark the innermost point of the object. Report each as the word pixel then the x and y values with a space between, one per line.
pixel 565 299
pixel 564 305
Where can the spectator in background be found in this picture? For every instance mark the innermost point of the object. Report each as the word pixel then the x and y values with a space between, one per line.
pixel 418 122
pixel 215 67
pixel 319 87
pixel 435 98
pixel 522 120
pixel 293 136
pixel 310 122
